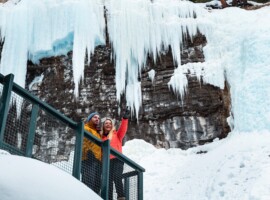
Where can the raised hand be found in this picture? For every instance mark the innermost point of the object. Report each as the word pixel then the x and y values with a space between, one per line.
pixel 127 113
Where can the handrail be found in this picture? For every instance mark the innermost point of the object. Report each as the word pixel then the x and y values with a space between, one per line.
pixel 14 149
pixel 92 138
pixel 127 160
pixel 33 99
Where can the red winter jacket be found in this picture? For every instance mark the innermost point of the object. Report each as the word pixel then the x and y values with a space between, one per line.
pixel 117 137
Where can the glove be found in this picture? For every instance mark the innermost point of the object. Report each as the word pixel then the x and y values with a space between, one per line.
pixel 127 113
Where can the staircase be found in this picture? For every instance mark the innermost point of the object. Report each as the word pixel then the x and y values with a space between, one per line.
pixel 25 119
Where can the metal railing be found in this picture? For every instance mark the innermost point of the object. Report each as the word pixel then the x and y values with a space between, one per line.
pixel 32 128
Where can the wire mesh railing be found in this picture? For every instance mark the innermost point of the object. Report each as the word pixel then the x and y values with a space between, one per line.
pixel 16 131
pixel 32 128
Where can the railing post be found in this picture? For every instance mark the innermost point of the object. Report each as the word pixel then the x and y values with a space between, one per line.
pixel 4 103
pixel 78 151
pixel 140 186
pixel 105 169
pixel 126 186
pixel 32 131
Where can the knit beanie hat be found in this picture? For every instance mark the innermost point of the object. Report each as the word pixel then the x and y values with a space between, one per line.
pixel 91 115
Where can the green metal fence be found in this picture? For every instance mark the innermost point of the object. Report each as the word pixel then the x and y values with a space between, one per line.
pixel 30 127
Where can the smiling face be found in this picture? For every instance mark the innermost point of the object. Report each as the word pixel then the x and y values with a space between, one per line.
pixel 107 126
pixel 95 120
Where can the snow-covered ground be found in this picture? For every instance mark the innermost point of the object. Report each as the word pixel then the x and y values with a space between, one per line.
pixel 28 179
pixel 234 168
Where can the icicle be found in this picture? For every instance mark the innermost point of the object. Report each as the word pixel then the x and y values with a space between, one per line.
pixel 178 82
pixel 151 75
pixel 138 28
pixel 87 35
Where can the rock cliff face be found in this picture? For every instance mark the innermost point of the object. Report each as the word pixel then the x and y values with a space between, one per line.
pixel 164 119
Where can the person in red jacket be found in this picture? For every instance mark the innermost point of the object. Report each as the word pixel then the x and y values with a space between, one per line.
pixel 116 166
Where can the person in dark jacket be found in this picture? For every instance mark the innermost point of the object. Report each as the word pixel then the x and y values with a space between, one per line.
pixel 116 166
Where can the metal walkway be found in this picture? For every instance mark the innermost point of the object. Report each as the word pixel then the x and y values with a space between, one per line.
pixel 32 128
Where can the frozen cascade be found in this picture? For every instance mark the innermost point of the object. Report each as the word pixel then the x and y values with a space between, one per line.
pixel 138 28
pixel 236 51
pixel 49 28
pixel 239 50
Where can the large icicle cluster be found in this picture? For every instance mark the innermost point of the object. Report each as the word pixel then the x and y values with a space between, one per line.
pixel 36 29
pixel 138 28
